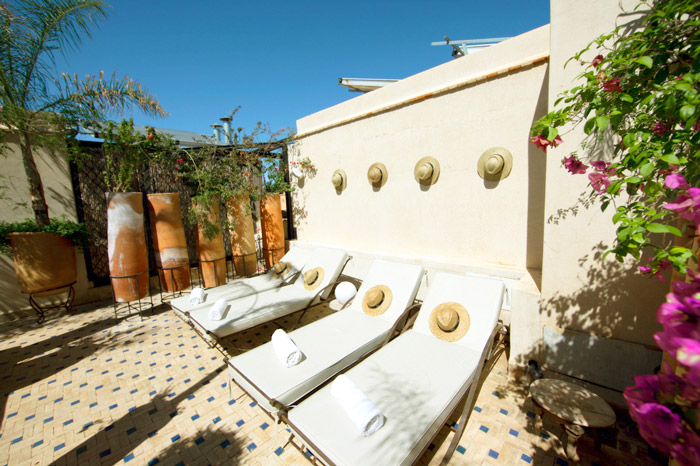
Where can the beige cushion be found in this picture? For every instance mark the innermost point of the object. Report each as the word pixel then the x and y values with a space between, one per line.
pixel 415 381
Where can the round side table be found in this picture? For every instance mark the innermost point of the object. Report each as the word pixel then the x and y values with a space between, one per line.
pixel 573 407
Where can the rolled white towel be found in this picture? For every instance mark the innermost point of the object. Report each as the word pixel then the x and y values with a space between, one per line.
pixel 287 352
pixel 361 410
pixel 217 310
pixel 197 296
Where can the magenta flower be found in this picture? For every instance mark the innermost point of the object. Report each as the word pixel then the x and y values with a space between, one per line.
pixel 658 425
pixel 599 182
pixel 696 126
pixel 574 165
pixel 688 452
pixel 597 61
pixel 612 85
pixel 643 391
pixel 659 128
pixel 676 181
pixel 687 206
pixel 644 269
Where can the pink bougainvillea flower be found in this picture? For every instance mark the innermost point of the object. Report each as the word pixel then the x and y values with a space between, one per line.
pixel 688 452
pixel 659 128
pixel 643 391
pixel 696 126
pixel 574 165
pixel 644 269
pixel 599 182
pixel 676 181
pixel 658 425
pixel 688 354
pixel 597 61
pixel 612 85
pixel 542 142
pixel 687 205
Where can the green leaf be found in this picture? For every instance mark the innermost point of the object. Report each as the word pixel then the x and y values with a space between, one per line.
pixel 661 228
pixel 634 180
pixel 626 98
pixel 687 111
pixel 588 127
pixel 670 158
pixel 616 218
pixel 604 205
pixel 646 169
pixel 602 122
pixel 646 61
pixel 552 133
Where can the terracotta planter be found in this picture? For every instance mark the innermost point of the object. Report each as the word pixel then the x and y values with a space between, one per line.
pixel 44 263
pixel 242 235
pixel 212 249
pixel 272 229
pixel 127 252
pixel 169 240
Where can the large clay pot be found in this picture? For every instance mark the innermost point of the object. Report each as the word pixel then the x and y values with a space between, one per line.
pixel 242 235
pixel 127 252
pixel 169 240
pixel 272 229
pixel 212 249
pixel 44 262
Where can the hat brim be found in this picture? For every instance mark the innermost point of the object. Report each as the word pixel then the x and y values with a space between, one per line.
pixel 383 306
pixel 462 326
pixel 436 170
pixel 317 282
pixel 507 164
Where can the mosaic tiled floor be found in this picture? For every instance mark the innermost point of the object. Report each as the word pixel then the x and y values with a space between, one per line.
pixel 93 389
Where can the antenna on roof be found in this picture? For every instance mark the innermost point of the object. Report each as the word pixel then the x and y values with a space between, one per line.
pixel 456 51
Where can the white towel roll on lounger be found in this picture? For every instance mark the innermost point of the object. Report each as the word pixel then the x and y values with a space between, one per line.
pixel 361 410
pixel 287 352
pixel 197 296
pixel 217 311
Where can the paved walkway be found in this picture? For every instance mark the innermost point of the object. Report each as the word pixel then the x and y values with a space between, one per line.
pixel 92 389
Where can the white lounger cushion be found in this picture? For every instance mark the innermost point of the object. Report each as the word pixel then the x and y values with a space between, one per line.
pixel 329 344
pixel 254 309
pixel 247 286
pixel 415 381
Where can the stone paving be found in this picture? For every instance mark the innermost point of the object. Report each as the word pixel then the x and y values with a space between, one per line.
pixel 92 388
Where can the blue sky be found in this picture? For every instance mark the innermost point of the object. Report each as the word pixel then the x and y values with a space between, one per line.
pixel 280 60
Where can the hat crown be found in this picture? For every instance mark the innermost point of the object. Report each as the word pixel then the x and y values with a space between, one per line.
pixel 374 297
pixel 447 319
pixel 494 164
pixel 337 180
pixel 425 171
pixel 279 267
pixel 310 277
pixel 375 175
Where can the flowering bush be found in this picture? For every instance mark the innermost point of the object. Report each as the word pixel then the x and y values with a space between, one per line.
pixel 667 405
pixel 642 92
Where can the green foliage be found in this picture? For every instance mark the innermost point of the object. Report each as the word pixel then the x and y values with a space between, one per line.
pixel 76 232
pixel 642 93
pixel 128 153
pixel 274 177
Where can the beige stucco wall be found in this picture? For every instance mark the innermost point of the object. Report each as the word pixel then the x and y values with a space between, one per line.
pixel 579 291
pixel 15 205
pixel 460 219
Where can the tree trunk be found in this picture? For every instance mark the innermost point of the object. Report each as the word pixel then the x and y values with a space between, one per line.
pixel 36 189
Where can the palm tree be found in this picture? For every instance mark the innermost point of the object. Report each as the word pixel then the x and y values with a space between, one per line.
pixel 34 98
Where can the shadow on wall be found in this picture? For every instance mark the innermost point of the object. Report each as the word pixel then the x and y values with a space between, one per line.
pixel 299 212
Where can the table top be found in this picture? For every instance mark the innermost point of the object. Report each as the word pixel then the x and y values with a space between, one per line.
pixel 572 403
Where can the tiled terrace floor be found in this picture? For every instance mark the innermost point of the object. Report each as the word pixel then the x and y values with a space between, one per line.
pixel 92 389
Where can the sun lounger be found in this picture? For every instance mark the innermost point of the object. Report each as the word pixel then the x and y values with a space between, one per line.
pixel 416 381
pixel 253 309
pixel 296 258
pixel 329 344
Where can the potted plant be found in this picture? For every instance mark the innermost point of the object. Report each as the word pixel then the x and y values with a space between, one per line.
pixel 35 252
pixel 126 153
pixel 39 114
pixel 274 185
